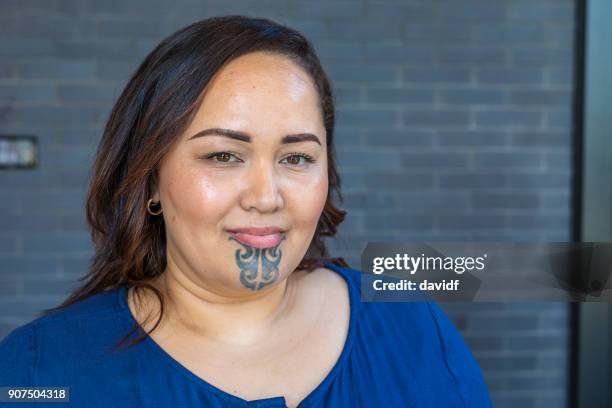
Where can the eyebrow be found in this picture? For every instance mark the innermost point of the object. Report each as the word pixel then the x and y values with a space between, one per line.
pixel 244 137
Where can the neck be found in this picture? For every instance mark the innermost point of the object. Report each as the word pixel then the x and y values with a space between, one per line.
pixel 246 320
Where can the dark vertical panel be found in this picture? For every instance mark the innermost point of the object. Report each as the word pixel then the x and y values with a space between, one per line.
pixel 595 320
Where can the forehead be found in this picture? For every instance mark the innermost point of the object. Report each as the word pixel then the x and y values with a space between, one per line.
pixel 261 92
pixel 262 70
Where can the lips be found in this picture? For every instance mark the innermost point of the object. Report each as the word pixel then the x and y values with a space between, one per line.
pixel 265 237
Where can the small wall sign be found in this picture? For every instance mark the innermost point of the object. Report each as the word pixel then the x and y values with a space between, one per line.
pixel 18 152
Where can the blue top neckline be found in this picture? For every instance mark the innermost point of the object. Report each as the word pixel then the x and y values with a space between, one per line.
pixel 316 393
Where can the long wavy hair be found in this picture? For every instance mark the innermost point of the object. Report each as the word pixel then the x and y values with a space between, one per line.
pixel 155 107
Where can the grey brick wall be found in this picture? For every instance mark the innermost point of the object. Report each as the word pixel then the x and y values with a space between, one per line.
pixel 454 123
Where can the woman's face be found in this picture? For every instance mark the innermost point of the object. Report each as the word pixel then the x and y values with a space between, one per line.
pixel 244 186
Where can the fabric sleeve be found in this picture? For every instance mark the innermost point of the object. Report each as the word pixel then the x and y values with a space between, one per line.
pixel 460 361
pixel 17 357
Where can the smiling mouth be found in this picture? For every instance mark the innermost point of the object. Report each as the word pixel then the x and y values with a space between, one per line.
pixel 258 241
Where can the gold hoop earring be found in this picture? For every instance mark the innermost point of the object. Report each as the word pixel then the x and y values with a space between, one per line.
pixel 155 203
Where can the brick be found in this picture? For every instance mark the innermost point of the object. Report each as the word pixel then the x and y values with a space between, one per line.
pixel 367 118
pixel 95 49
pixel 397 180
pixel 438 34
pixel 471 222
pixel 556 200
pixel 27 264
pixel 481 11
pixel 9 201
pixel 122 28
pixel 471 180
pixel 28 222
pixel 398 138
pixel 63 157
pixel 42 286
pixel 27 180
pixel 368 161
pixel 541 12
pixel 89 94
pixel 371 73
pixel 509 76
pixel 116 70
pixel 519 160
pixel 57 69
pixel 542 97
pixel 506 200
pixel 560 76
pixel 543 221
pixel 312 29
pixel 399 96
pixel 436 75
pixel 559 119
pixel 472 55
pixel 52 201
pixel 8 243
pixel 509 33
pixel 365 200
pixel 433 160
pixel 74 266
pixel 73 223
pixel 541 139
pixel 364 30
pixel 328 9
pixel 558 160
pixel 27 94
pixel 40 243
pixel 53 114
pixel 25 47
pixel 540 181
pixel 458 138
pixel 427 202
pixel 338 50
pixel 390 221
pixel 34 24
pixel 399 53
pixel 510 118
pixel 400 11
pixel 472 96
pixel 542 56
pixel 435 117
pixel 511 363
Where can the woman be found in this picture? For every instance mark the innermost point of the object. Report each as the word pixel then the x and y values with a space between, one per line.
pixel 211 285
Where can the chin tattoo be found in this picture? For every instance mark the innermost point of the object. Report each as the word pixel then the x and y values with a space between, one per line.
pixel 258 266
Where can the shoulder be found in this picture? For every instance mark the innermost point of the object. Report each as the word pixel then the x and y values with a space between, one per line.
pixel 96 308
pixel 341 274
pixel 434 343
pixel 423 328
pixel 17 357
pixel 68 330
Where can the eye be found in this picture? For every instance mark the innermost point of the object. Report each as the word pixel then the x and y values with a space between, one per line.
pixel 221 157
pixel 295 159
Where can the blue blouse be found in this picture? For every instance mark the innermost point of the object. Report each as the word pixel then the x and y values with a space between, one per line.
pixel 395 355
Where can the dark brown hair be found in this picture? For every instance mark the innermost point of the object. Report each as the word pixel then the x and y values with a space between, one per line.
pixel 157 104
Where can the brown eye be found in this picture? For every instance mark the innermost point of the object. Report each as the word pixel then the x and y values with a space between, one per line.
pixel 294 159
pixel 299 159
pixel 223 157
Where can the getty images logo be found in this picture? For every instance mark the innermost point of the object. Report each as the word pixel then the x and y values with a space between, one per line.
pixel 412 264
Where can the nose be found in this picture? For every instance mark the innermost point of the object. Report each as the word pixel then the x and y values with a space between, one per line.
pixel 262 190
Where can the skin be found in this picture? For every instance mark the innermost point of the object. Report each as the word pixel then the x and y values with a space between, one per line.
pixel 244 318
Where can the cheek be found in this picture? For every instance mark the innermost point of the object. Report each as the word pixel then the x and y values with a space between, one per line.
pixel 196 197
pixel 308 200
